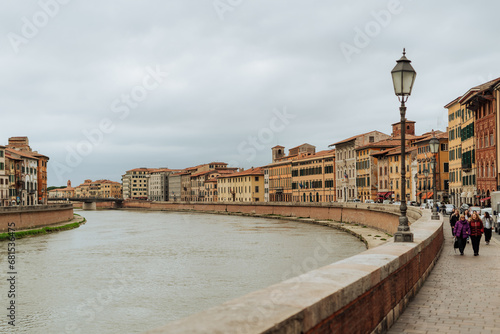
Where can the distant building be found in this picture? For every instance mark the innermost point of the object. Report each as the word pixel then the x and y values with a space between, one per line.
pixel 135 183
pixel 27 173
pixel 174 187
pixel 63 193
pixel 158 189
pixel 345 163
pixel 244 186
pixel 313 177
pixel 4 179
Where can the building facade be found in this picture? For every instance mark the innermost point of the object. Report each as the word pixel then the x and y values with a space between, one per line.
pixel 313 177
pixel 135 183
pixel 345 163
pixel 245 186
pixel 455 119
pixel 481 101
pixel 4 179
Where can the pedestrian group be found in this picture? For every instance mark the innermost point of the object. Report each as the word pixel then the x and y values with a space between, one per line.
pixel 470 225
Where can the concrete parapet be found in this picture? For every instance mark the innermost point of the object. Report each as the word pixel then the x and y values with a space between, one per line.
pixel 365 293
pixel 26 217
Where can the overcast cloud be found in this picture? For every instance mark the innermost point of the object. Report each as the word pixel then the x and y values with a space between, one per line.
pixel 184 82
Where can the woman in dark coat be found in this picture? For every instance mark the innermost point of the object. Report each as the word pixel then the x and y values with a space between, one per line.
pixel 476 231
pixel 455 216
pixel 462 232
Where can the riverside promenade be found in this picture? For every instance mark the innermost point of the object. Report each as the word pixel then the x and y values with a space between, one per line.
pixel 461 295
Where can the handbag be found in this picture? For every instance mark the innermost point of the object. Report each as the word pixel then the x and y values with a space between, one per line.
pixel 455 244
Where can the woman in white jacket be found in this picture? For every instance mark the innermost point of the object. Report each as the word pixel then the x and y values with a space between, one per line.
pixel 488 224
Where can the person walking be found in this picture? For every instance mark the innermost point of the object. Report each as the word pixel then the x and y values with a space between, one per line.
pixel 455 216
pixel 488 224
pixel 462 232
pixel 467 214
pixel 476 231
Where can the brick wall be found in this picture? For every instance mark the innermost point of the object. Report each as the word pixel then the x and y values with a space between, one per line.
pixel 34 216
pixel 382 217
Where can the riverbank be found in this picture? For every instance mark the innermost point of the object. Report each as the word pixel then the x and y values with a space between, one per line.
pixel 370 236
pixel 69 225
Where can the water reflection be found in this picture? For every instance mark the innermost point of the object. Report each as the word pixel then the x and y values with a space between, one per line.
pixel 129 271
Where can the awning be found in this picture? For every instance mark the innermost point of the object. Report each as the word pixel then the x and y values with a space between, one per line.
pixel 418 194
pixel 469 194
pixel 463 195
pixel 484 199
pixel 381 195
pixel 389 193
pixel 427 196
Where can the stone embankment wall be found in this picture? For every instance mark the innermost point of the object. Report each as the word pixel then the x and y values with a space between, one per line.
pixel 26 217
pixel 365 293
pixel 382 217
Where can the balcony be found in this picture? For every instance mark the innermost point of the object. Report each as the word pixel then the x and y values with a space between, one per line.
pixel 466 166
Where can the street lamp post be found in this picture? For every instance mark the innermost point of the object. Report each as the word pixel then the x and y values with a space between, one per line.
pixel 426 174
pixel 416 182
pixel 434 147
pixel 403 77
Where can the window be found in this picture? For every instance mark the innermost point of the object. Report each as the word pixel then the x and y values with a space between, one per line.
pixel 371 139
pixel 446 167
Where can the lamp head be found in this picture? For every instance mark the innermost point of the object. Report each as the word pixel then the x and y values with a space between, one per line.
pixel 403 77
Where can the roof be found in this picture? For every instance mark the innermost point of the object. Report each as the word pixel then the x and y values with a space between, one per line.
pixel 383 143
pixel 428 136
pixel 394 151
pixel 452 102
pixel 141 169
pixel 21 153
pixel 251 171
pixel 316 155
pixel 407 121
pixel 278 146
pixel 478 89
pixel 301 145
pixel 161 170
pixel 354 137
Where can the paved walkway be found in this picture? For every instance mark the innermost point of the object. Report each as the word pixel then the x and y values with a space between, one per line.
pixel 461 295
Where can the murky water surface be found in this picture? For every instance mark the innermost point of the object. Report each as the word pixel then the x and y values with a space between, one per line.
pixel 129 271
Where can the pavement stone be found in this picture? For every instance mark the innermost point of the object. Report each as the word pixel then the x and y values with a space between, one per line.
pixel 461 295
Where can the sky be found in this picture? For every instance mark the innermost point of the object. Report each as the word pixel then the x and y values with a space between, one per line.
pixel 104 87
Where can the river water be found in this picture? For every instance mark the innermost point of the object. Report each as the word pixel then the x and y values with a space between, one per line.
pixel 130 271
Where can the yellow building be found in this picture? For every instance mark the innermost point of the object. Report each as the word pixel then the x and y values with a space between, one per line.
pixel 83 190
pixel 456 116
pixel 244 186
pixel 424 159
pixel 313 177
pixel 467 173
